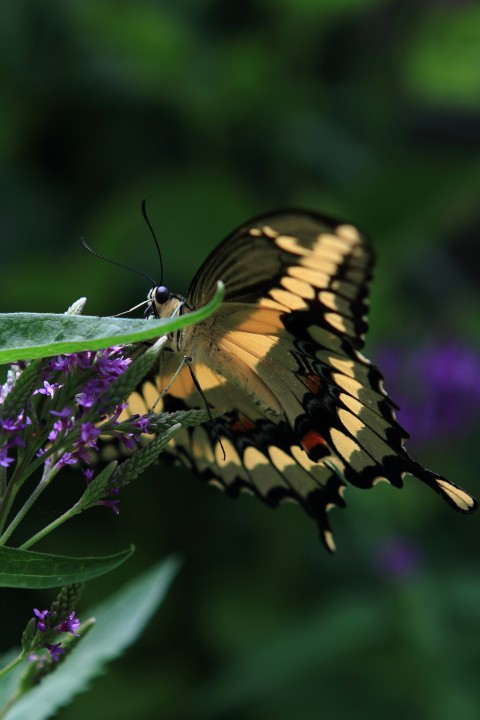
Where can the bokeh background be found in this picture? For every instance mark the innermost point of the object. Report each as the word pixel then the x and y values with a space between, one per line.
pixel 215 111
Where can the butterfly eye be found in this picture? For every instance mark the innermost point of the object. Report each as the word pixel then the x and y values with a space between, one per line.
pixel 162 294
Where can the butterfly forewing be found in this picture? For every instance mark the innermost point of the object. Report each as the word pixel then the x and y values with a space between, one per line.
pixel 301 411
pixel 289 261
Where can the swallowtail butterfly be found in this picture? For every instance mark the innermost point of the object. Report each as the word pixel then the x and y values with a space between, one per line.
pixel 303 412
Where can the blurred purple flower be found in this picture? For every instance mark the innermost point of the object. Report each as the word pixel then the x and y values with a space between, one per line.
pixel 57 428
pixel 64 414
pixel 5 460
pixel 67 459
pixel 112 504
pixel 436 387
pixel 118 411
pixel 142 422
pixel 88 472
pixel 10 425
pixel 89 433
pixel 399 558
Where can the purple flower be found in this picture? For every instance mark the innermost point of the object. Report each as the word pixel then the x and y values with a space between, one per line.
pixel 89 433
pixel 16 441
pixel 42 615
pixel 85 359
pixel 118 411
pixel 111 503
pixel 399 558
pixel 4 459
pixel 436 387
pixel 48 389
pixel 128 439
pixel 55 650
pixel 63 414
pixel 88 472
pixel 110 365
pixel 67 458
pixel 62 363
pixel 69 625
pixel 13 429
pixel 91 391
pixel 142 422
pixel 111 499
pixel 85 399
pixel 56 430
pixel 9 425
pixel 81 453
pixel 72 431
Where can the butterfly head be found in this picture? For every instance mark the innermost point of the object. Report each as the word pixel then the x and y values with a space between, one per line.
pixel 163 303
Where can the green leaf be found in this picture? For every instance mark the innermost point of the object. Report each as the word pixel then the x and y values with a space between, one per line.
pixel 119 622
pixel 26 569
pixel 9 681
pixel 24 336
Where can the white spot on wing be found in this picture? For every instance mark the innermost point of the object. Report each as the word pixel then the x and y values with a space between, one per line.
pixel 300 288
pixel 349 232
pixel 461 499
pixel 269 232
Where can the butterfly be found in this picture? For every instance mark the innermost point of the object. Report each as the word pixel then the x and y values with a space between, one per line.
pixel 300 412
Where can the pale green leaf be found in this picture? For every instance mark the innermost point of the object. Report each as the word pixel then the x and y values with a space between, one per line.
pixel 119 622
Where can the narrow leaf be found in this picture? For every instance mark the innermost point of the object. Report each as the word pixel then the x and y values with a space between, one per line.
pixel 24 336
pixel 119 622
pixel 26 569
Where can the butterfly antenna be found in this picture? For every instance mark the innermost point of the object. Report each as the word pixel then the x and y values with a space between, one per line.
pixel 188 360
pixel 149 224
pixel 115 262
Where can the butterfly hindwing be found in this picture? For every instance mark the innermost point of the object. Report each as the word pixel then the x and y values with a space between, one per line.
pixel 299 409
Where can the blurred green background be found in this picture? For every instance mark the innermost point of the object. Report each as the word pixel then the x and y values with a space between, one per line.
pixel 215 111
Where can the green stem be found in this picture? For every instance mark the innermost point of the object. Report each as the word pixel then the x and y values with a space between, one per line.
pixel 3 482
pixel 13 664
pixel 13 487
pixel 47 477
pixel 24 468
pixel 75 510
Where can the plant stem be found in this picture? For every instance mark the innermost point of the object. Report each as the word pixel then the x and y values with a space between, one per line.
pixel 75 510
pixel 8 498
pixel 13 664
pixel 47 477
pixel 22 472
pixel 3 481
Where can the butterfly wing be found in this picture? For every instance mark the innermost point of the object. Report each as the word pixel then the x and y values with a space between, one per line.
pixel 302 410
pixel 290 261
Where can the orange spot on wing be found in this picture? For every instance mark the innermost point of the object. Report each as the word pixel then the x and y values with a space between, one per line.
pixel 311 440
pixel 243 424
pixel 313 383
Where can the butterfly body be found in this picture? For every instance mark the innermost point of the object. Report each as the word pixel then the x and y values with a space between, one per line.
pixel 301 412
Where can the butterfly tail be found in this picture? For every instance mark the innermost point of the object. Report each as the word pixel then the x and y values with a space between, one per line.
pixel 455 496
